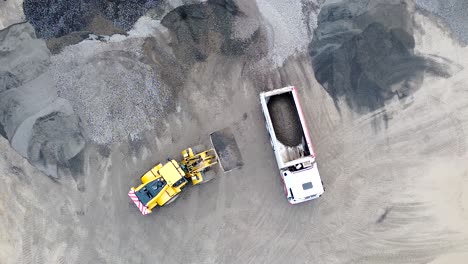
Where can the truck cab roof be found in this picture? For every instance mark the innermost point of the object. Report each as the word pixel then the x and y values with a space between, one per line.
pixel 303 185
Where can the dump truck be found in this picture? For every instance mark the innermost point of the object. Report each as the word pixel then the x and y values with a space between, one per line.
pixel 291 143
pixel 163 183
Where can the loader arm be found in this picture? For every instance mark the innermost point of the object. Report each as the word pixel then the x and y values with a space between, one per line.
pixel 195 164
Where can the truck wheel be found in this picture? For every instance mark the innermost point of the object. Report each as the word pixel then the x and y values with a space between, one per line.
pixel 172 199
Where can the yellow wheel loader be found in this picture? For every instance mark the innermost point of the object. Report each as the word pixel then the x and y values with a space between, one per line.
pixel 163 183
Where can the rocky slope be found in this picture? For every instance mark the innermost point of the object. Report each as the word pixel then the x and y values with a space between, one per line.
pixel 40 125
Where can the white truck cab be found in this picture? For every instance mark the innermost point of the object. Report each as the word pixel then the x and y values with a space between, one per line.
pixel 297 165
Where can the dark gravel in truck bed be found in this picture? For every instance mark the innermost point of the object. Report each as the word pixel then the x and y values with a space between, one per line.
pixel 285 120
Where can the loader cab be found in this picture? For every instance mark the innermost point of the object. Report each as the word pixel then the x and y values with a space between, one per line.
pixel 150 190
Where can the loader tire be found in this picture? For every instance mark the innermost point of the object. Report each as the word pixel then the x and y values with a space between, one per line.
pixel 172 199
pixel 208 175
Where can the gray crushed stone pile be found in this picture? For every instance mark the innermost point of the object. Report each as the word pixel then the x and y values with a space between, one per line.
pixel 114 93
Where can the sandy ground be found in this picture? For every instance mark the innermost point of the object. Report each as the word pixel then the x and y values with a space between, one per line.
pixel 396 179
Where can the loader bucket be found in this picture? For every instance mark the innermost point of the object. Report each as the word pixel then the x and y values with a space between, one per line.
pixel 226 148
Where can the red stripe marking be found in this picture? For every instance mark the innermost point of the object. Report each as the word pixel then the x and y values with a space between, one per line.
pixel 143 209
pixel 301 114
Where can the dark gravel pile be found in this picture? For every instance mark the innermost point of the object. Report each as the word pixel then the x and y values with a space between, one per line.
pixel 367 56
pixel 285 118
pixel 205 28
pixel 56 139
pixel 56 18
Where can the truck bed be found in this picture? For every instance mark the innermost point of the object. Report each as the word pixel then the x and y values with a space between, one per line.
pixel 285 124
pixel 291 144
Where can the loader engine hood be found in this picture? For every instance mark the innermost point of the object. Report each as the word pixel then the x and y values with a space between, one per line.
pixel 302 185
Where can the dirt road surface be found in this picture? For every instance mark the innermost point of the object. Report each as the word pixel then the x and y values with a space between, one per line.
pixel 396 177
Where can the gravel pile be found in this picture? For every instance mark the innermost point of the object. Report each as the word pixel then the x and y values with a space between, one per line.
pixel 289 22
pixel 11 12
pixel 56 18
pixel 109 87
pixel 453 12
pixel 366 57
pixel 40 126
pixel 205 28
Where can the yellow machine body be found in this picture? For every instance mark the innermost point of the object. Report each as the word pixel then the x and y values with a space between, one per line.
pixel 163 183
pixel 171 180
